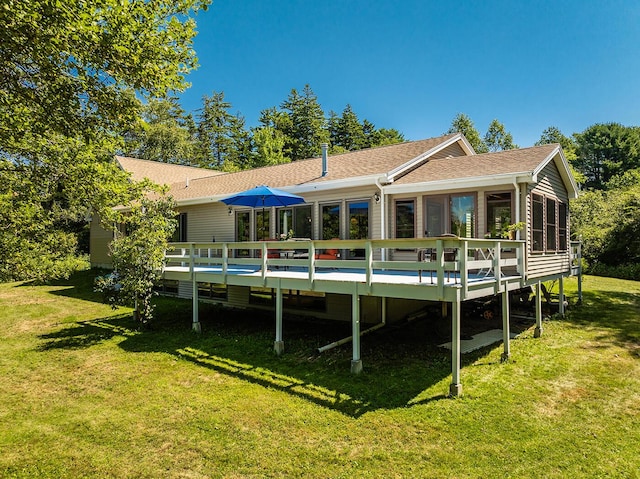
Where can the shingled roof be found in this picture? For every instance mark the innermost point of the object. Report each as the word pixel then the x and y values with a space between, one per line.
pixel 356 164
pixel 162 173
pixel 521 161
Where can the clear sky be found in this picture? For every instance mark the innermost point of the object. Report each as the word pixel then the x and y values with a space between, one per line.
pixel 414 64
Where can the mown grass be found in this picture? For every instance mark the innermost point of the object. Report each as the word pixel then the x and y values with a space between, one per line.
pixel 85 394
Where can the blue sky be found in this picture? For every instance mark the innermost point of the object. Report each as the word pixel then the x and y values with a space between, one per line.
pixel 414 64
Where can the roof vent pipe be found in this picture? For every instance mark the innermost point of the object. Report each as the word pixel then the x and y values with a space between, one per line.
pixel 325 166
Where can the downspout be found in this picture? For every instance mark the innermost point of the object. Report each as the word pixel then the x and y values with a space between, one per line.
pixel 348 339
pixel 516 185
pixel 383 203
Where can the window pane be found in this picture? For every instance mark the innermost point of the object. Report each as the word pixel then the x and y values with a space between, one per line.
pixel 562 227
pixel 243 231
pixel 359 220
pixel 405 219
pixel 498 213
pixel 462 214
pixel 302 222
pixel 262 224
pixel 330 221
pixel 285 221
pixel 537 222
pixel 434 211
pixel 551 224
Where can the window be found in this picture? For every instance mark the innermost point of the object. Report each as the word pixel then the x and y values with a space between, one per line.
pixel 243 230
pixel 453 214
pixel 562 227
pixel 262 224
pixel 549 224
pixel 212 291
pixel 537 222
pixel 358 224
pixel 330 226
pixel 405 219
pixel 498 213
pixel 462 210
pixel 296 219
pixel 435 212
pixel 180 233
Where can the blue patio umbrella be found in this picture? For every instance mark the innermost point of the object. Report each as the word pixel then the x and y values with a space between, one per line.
pixel 262 197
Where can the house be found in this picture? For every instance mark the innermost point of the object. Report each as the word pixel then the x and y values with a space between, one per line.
pixel 407 223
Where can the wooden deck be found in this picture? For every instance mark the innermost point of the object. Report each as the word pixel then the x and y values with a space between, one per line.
pixel 445 269
pixel 455 269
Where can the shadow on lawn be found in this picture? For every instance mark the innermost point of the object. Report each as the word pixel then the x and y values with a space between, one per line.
pixel 399 363
pixel 613 311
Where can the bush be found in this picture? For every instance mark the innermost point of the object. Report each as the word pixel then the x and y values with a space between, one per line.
pixel 624 271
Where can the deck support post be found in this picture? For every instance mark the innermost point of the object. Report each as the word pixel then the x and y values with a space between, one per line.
pixel 561 296
pixel 506 333
pixel 455 388
pixel 538 331
pixel 278 344
pixel 195 326
pixel 356 362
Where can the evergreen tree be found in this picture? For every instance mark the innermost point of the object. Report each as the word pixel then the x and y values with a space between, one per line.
pixel 463 124
pixel 349 133
pixel 497 138
pixel 306 130
pixel 219 134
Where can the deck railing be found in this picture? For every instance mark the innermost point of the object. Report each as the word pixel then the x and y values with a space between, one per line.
pixel 442 257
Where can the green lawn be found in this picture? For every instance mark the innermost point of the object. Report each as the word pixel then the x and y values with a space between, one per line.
pixel 84 394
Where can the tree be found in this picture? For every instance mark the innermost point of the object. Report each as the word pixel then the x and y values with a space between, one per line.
pixel 348 132
pixel 608 221
pixel 306 130
pixel 463 124
pixel 74 68
pixel 383 136
pixel 497 138
pixel 139 255
pixel 73 77
pixel 223 141
pixel 606 150
pixel 554 135
pixel 164 133
pixel 269 144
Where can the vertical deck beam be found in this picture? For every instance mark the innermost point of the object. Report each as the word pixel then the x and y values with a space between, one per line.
pixel 506 333
pixel 561 295
pixel 455 388
pixel 538 331
pixel 278 345
pixel 356 362
pixel 195 326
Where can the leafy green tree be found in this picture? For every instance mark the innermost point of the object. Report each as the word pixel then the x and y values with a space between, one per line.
pixel 74 68
pixel 497 138
pixel 46 201
pixel 139 255
pixel 463 124
pixel 269 144
pixel 606 150
pixel 73 77
pixel 382 137
pixel 554 135
pixel 165 133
